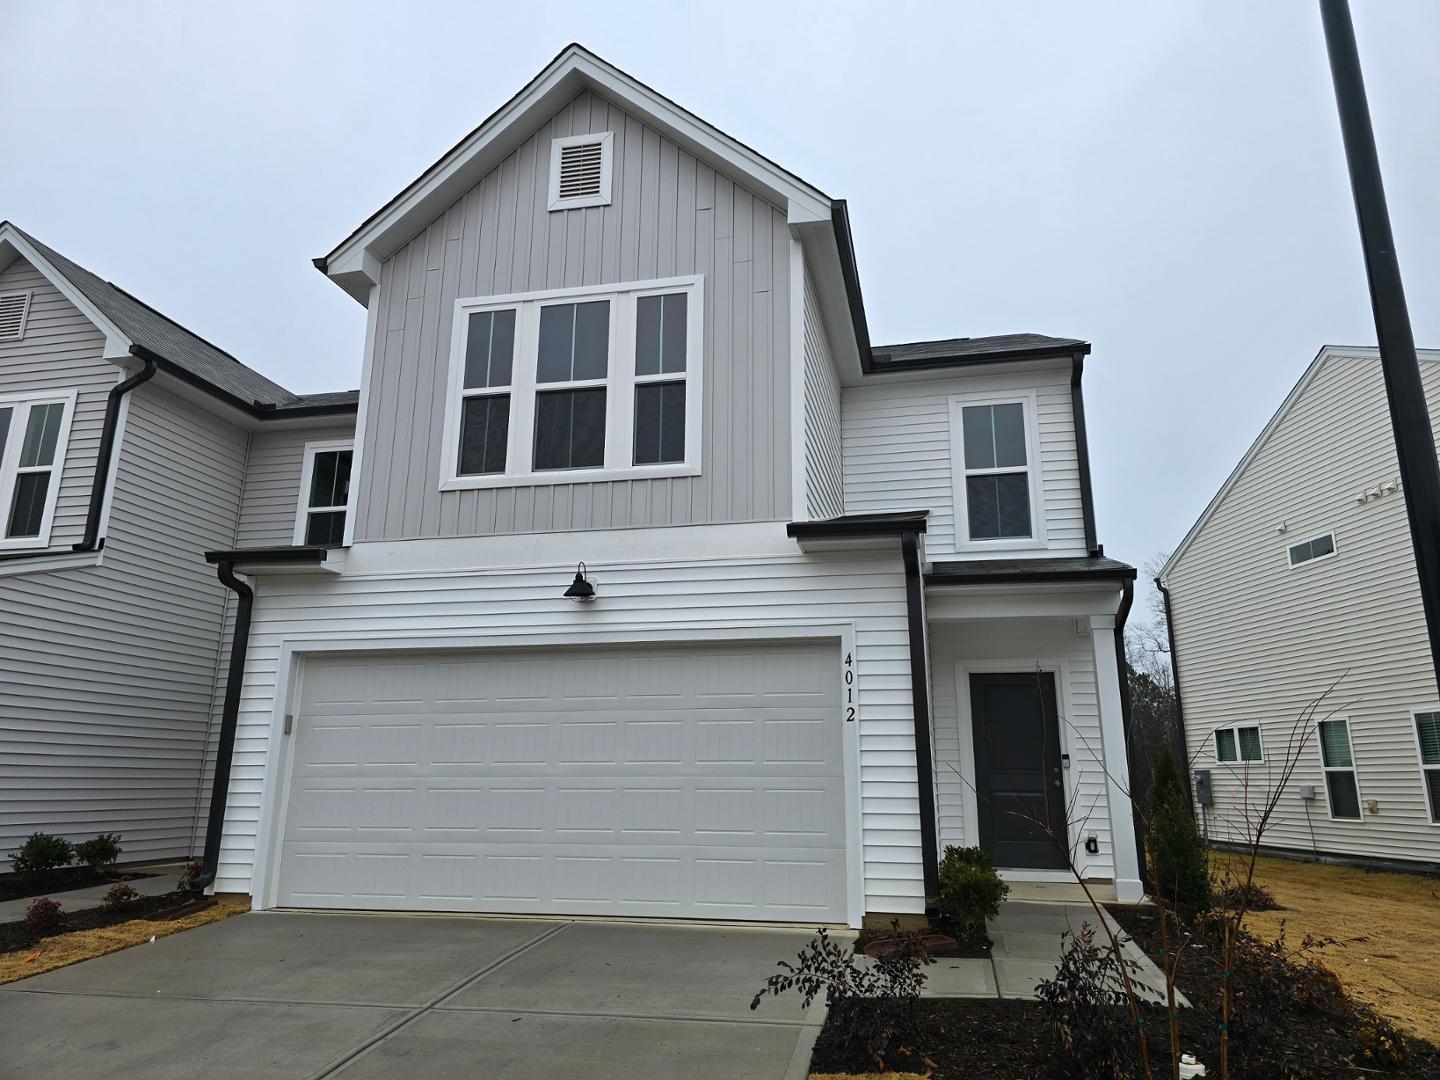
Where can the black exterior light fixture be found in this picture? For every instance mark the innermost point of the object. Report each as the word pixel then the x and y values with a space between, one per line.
pixel 580 590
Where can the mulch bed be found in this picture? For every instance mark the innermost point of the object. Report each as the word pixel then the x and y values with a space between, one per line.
pixel 963 1038
pixel 14 936
pixel 961 944
pixel 63 879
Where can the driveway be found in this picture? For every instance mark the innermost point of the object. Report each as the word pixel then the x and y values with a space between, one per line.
pixel 272 995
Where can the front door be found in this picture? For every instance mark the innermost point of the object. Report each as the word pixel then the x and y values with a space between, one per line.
pixel 1018 783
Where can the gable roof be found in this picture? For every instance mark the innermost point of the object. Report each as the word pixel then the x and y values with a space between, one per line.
pixel 974 350
pixel 140 329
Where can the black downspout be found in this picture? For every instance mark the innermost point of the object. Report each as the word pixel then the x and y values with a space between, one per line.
pixel 1122 615
pixel 229 718
pixel 1175 683
pixel 920 697
pixel 1082 452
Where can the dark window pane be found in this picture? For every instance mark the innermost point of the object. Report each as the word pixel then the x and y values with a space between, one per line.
pixel 1335 744
pixel 489 348
pixel 5 415
pixel 660 334
pixel 1344 797
pixel 1427 724
pixel 979 437
pixel 659 423
pixel 28 509
pixel 41 433
pixel 574 342
pixel 980 500
pixel 484 434
pixel 330 478
pixel 1225 745
pixel 1432 788
pixel 1013 496
pixel 1009 425
pixel 1323 545
pixel 1300 553
pixel 326 527
pixel 1249 743
pixel 570 429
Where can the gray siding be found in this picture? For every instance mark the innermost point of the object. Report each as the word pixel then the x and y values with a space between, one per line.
pixel 671 215
pixel 61 350
pixel 1257 641
pixel 272 482
pixel 824 469
pixel 109 671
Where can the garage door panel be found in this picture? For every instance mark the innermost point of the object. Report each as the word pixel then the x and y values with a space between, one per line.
pixel 673 781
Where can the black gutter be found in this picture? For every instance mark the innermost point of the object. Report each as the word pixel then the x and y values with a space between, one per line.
pixel 100 482
pixel 1122 668
pixel 258 409
pixel 860 525
pixel 1082 449
pixel 850 273
pixel 1175 683
pixel 976 359
pixel 920 699
pixel 229 719
pixel 297 553
pixel 1127 575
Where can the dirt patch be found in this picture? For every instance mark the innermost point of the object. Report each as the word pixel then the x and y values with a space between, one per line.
pixel 96 932
pixel 23 886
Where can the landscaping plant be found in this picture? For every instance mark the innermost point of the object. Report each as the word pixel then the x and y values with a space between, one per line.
pixel 872 1003
pixel 1179 861
pixel 970 890
pixel 101 853
pixel 188 876
pixel 120 897
pixel 40 853
pixel 1086 1005
pixel 44 916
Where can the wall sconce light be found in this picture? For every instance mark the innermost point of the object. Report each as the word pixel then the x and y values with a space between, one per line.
pixel 580 590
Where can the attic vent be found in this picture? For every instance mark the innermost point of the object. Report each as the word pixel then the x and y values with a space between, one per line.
pixel 14 307
pixel 580 171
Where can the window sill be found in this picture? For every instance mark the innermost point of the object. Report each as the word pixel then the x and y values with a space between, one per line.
pixel 568 476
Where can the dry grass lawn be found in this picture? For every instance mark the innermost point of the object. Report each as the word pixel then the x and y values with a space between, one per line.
pixel 1394 969
pixel 65 949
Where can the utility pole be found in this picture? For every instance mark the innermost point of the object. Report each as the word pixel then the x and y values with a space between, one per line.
pixel 1409 413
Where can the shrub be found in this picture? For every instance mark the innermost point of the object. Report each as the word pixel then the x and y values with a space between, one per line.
pixel 42 852
pixel 1234 895
pixel 970 889
pixel 188 876
pixel 1179 866
pixel 872 1003
pixel 100 853
pixel 1087 1009
pixel 120 897
pixel 44 916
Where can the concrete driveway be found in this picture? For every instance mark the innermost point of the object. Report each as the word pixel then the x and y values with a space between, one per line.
pixel 302 995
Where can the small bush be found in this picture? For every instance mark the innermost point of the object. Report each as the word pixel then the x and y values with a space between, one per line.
pixel 42 852
pixel 1087 1009
pixel 44 916
pixel 1233 895
pixel 188 876
pixel 101 853
pixel 970 889
pixel 1179 866
pixel 872 1003
pixel 120 897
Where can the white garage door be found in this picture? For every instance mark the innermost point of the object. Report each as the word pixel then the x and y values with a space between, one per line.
pixel 701 782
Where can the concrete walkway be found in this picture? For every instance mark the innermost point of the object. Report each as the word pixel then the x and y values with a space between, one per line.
pixel 164 881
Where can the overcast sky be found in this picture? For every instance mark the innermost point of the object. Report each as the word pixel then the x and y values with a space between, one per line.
pixel 1164 180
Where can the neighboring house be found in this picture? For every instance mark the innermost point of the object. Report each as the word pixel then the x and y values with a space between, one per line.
pixel 658 589
pixel 1296 586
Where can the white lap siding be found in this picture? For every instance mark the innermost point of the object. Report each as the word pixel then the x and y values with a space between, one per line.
pixel 678 600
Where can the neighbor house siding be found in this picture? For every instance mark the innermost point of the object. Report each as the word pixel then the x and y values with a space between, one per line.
pixel 61 350
pixel 824 467
pixel 671 215
pixel 109 670
pixel 1258 642
pixel 898 454
pixel 495 606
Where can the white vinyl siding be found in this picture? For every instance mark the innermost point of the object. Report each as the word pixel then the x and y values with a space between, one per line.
pixel 1254 633
pixel 898 454
pixel 824 454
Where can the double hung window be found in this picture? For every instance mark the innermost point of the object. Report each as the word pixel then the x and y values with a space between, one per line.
pixel 34 430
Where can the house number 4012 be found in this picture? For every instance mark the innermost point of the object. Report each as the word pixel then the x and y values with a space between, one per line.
pixel 849 687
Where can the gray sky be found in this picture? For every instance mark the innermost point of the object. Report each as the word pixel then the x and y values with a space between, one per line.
pixel 1165 180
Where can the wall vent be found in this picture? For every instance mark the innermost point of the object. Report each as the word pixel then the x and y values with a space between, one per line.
pixel 580 171
pixel 14 309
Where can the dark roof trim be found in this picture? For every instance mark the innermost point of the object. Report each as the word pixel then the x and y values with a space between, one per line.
pixel 860 525
pixel 260 410
pixel 299 553
pixel 850 273
pixel 999 356
pixel 1082 448
pixel 1013 572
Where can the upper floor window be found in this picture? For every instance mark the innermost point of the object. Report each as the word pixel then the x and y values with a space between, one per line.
pixel 997 482
pixel 580 170
pixel 1311 550
pixel 1240 743
pixel 324 493
pixel 14 310
pixel 1427 731
pixel 575 385
pixel 34 430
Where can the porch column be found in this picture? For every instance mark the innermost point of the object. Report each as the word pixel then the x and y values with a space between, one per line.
pixel 1117 772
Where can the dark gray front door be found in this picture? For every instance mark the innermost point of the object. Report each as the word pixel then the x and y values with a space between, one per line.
pixel 1017 769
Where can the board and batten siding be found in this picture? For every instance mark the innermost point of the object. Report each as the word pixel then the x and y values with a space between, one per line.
pixel 898 453
pixel 824 465
pixel 671 215
pixel 1258 641
pixel 493 606
pixel 61 350
pixel 107 672
pixel 1032 640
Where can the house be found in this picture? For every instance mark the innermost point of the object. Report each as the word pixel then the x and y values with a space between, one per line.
pixel 645 584
pixel 1297 585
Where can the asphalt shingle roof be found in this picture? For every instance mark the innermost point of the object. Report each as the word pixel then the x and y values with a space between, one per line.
pixel 969 348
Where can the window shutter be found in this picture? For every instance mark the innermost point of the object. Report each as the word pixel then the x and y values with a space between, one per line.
pixel 580 170
pixel 14 308
pixel 1334 744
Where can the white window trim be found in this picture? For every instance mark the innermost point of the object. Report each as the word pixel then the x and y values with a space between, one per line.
pixel 307 471
pixel 606 140
pixel 1353 767
pixel 24 312
pixel 1030 404
pixel 1334 550
pixel 620 384
pixel 10 460
pixel 1420 759
pixel 1259 734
